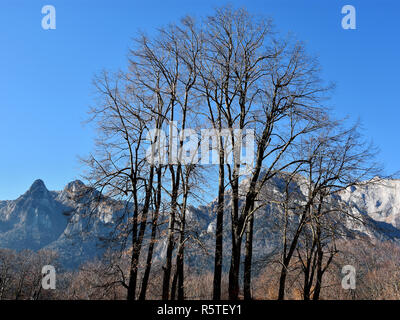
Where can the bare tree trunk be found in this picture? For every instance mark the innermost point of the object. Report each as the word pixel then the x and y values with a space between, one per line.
pixel 307 283
pixel 248 259
pixel 320 269
pixel 219 232
pixel 170 247
pixel 180 271
pixel 131 294
pixel 318 282
pixel 287 258
pixel 132 277
pixel 145 280
pixel 173 284
pixel 178 279
pixel 146 275
pixel 282 281
pixel 235 268
pixel 180 255
pixel 175 179
pixel 137 239
pixel 236 240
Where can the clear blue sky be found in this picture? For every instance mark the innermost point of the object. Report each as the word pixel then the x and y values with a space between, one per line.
pixel 45 76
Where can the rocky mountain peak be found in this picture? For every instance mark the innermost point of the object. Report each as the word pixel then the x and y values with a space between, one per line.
pixel 74 186
pixel 38 189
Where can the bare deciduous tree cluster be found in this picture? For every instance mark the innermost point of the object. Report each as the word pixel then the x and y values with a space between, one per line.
pixel 21 274
pixel 229 71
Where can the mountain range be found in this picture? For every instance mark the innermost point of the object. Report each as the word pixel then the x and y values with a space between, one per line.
pixel 58 220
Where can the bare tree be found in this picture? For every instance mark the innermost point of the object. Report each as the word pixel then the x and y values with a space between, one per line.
pixel 335 160
pixel 172 56
pixel 231 72
pixel 119 168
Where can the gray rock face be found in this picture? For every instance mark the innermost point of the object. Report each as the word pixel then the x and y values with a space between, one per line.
pixel 47 219
pixel 32 221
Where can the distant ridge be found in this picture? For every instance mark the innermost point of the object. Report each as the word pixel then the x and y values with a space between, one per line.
pixel 43 219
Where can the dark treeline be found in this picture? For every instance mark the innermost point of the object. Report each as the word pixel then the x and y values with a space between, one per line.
pixel 103 279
